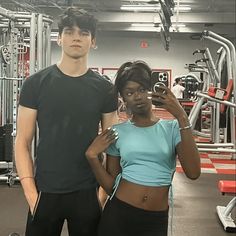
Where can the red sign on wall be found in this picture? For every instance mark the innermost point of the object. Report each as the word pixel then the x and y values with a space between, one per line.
pixel 144 44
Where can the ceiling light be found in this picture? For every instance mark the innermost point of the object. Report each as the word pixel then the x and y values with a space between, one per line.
pixel 139 8
pixel 183 8
pixel 54 34
pixel 178 25
pixel 143 24
pixel 155 25
pixel 150 8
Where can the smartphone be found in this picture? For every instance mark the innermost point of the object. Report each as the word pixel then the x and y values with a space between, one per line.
pixel 155 86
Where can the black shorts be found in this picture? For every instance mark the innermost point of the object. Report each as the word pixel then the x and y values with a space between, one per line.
pixel 121 219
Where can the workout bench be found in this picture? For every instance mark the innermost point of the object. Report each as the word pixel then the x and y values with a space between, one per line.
pixel 224 213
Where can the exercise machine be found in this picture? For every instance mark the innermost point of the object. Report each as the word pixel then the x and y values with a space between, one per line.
pixel 224 212
pixel 215 99
pixel 25 47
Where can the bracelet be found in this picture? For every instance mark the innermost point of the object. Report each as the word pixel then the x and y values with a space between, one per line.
pixel 186 127
pixel 26 177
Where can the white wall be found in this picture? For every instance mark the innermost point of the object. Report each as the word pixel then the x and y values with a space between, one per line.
pixel 112 51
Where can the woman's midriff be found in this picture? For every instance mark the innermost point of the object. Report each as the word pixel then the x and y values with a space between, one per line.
pixel 144 197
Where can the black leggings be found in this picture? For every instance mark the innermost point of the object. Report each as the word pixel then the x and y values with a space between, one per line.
pixel 81 209
pixel 122 219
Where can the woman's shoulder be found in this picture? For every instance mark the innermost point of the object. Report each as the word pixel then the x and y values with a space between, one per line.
pixel 168 123
pixel 121 125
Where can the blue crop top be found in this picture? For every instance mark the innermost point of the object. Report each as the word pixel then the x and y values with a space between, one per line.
pixel 147 154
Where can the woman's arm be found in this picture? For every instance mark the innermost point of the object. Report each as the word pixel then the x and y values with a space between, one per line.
pixel 186 149
pixel 105 178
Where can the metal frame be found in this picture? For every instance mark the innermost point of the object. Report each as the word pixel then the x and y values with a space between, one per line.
pixel 231 69
pixel 39 27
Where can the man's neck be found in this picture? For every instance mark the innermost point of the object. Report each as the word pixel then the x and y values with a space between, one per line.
pixel 73 67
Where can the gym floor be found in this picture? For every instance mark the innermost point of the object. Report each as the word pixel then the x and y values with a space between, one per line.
pixel 194 212
pixel 194 207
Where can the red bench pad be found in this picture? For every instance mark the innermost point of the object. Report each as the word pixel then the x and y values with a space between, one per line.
pixel 227 186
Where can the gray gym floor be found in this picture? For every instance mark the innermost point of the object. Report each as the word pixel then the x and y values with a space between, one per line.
pixel 194 207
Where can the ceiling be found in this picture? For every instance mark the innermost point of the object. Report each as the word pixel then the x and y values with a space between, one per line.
pixel 214 15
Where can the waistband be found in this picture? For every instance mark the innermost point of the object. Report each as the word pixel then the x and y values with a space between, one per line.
pixel 124 205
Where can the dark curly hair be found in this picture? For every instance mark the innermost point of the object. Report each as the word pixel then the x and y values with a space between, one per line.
pixel 74 16
pixel 137 71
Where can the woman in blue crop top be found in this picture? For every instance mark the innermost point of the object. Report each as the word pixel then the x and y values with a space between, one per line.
pixel 141 157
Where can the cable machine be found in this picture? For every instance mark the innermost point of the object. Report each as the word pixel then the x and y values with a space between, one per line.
pixel 25 47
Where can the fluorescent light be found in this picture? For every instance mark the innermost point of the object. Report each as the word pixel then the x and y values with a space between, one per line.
pixel 150 8
pixel 183 8
pixel 141 1
pixel 175 25
pixel 54 34
pixel 143 24
pixel 178 25
pixel 139 8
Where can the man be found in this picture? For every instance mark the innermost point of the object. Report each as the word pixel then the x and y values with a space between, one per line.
pixel 67 101
pixel 178 89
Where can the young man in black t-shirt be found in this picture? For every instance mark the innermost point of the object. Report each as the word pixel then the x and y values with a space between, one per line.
pixel 67 101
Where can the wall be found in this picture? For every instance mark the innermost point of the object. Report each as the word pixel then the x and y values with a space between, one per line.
pixel 113 50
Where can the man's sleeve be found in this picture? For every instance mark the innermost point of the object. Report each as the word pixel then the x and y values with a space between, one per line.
pixel 28 94
pixel 111 99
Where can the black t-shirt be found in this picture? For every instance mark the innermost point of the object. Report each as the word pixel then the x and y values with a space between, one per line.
pixel 69 110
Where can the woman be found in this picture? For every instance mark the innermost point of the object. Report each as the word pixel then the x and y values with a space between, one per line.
pixel 141 157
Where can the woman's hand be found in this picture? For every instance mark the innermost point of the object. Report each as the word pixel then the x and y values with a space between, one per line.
pixel 167 100
pixel 101 143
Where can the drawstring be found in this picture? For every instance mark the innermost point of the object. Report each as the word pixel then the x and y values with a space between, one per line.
pixel 171 209
pixel 117 181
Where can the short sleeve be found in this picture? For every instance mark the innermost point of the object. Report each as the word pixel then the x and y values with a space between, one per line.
pixel 111 99
pixel 28 94
pixel 113 150
pixel 176 133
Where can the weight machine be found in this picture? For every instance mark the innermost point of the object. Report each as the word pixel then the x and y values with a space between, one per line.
pixel 216 98
pixel 25 47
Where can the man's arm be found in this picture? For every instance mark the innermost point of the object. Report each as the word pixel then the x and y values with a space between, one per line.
pixel 109 119
pixel 26 122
